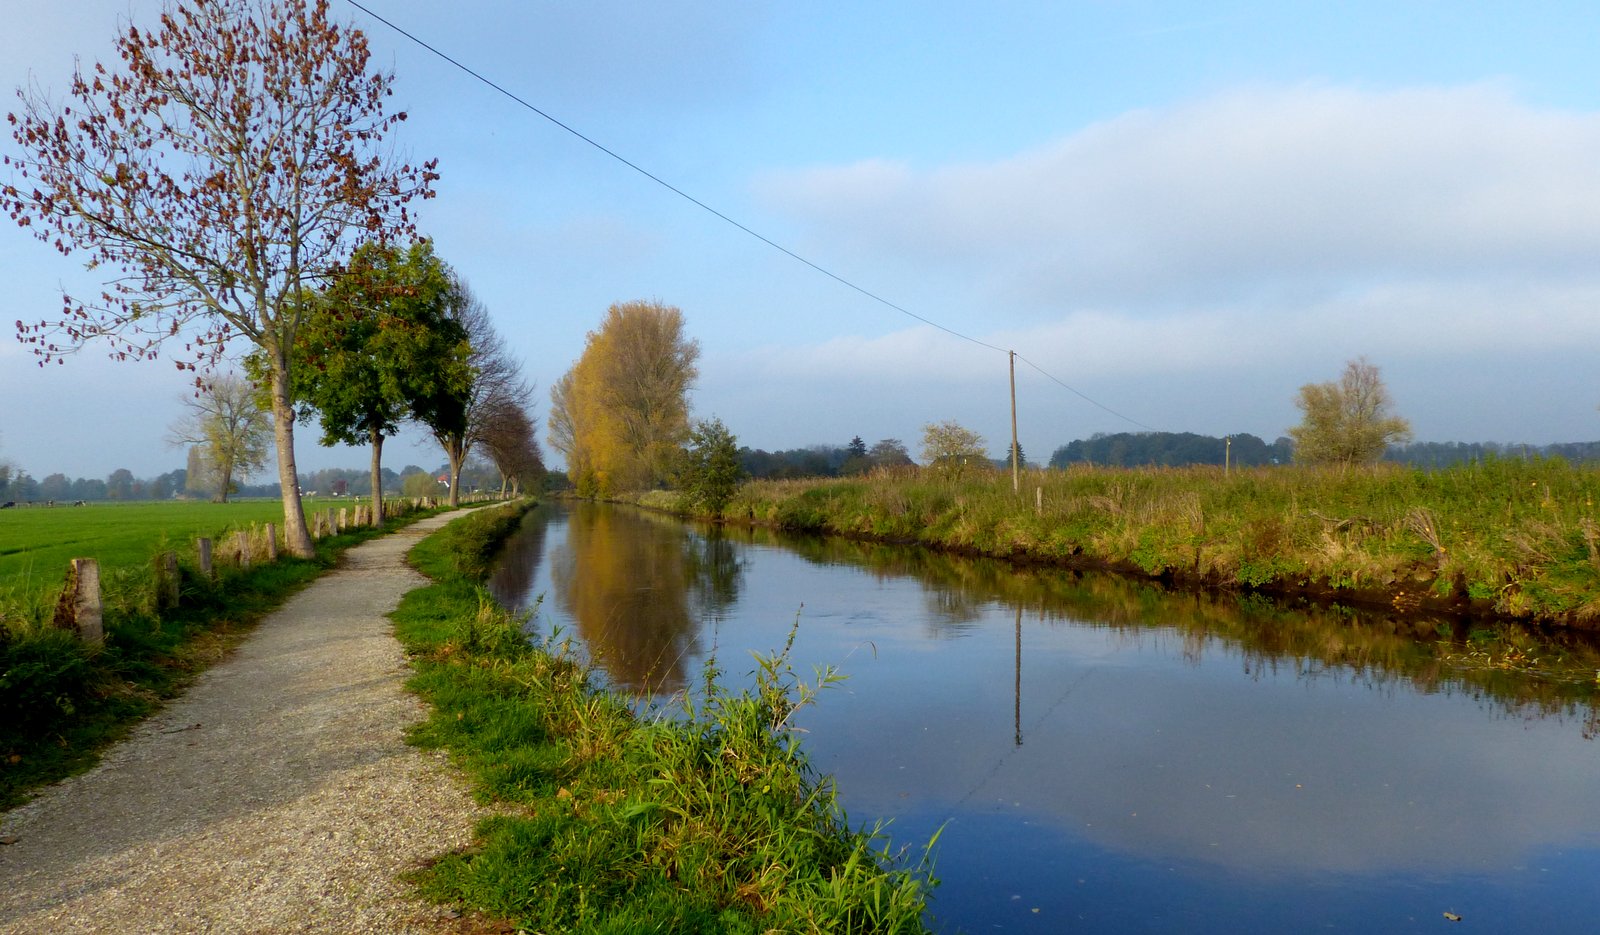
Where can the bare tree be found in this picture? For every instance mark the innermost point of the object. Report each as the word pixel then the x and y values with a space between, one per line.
pixel 229 164
pixel 229 430
pixel 510 438
pixel 1348 422
pixel 455 415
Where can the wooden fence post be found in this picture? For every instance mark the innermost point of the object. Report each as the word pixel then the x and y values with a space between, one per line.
pixel 272 542
pixel 79 608
pixel 166 580
pixel 241 543
pixel 203 548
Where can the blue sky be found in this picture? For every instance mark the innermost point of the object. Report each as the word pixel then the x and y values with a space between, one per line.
pixel 1182 211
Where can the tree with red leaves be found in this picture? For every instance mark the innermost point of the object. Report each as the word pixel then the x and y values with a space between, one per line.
pixel 225 170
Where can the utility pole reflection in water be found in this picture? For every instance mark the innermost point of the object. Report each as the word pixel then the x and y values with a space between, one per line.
pixel 1018 690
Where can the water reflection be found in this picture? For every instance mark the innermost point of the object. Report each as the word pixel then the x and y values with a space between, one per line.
pixel 638 587
pixel 1121 758
pixel 1528 670
pixel 511 582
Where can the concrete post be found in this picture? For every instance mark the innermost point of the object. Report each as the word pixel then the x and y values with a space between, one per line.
pixel 202 548
pixel 79 608
pixel 272 542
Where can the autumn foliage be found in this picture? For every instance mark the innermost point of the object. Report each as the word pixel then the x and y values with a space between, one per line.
pixel 621 414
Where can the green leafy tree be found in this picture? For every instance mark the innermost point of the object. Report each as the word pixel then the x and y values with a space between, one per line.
pixel 227 426
pixel 1348 422
pixel 951 448
pixel 381 339
pixel 711 471
pixel 228 161
pixel 119 485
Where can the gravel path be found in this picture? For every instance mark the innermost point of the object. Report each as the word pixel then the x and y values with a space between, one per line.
pixel 276 795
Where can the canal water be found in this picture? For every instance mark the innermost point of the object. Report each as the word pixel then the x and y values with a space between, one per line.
pixel 1103 756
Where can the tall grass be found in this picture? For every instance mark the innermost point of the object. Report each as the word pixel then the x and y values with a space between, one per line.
pixel 1512 538
pixel 708 822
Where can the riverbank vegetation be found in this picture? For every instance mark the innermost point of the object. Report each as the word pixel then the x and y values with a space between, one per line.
pixel 63 701
pixel 612 820
pixel 1510 538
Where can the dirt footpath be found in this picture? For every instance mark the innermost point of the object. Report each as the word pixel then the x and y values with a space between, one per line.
pixel 277 795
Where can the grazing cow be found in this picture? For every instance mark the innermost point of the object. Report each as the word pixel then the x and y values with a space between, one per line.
pixel 79 503
pixel 8 505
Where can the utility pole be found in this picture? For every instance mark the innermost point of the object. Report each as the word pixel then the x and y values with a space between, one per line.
pixel 1227 455
pixel 1016 466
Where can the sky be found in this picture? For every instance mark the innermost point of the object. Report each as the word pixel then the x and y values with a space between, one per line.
pixel 1175 213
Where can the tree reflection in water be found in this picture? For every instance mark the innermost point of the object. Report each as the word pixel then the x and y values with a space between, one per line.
pixel 638 587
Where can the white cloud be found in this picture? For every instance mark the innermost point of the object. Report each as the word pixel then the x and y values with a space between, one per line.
pixel 1248 193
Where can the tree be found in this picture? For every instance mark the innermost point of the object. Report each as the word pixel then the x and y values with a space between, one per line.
pixel 856 460
pixel 455 412
pixel 890 452
pixel 512 443
pixel 381 339
pixel 951 449
pixel 119 485
pixel 621 414
pixel 229 164
pixel 228 428
pixel 711 472
pixel 1348 422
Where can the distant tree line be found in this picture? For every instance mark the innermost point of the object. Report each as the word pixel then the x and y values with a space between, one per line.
pixel 1171 449
pixel 824 460
pixel 20 486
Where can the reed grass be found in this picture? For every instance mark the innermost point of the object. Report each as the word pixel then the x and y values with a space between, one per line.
pixel 709 821
pixel 1510 538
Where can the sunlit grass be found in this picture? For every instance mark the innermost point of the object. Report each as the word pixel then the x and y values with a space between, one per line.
pixel 1511 537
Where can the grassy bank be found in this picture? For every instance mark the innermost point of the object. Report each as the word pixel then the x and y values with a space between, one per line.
pixel 615 822
pixel 1511 538
pixel 62 702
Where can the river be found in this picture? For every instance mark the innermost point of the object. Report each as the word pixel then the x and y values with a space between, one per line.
pixel 1106 757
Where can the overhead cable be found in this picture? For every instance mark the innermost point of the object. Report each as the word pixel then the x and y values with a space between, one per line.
pixel 713 211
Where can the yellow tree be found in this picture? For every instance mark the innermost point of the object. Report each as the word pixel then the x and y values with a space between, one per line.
pixel 621 414
pixel 1348 422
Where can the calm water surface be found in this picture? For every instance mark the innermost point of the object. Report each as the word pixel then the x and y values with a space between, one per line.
pixel 1105 757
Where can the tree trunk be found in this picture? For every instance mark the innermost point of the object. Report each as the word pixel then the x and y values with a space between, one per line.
pixel 377 478
pixel 296 537
pixel 456 450
pixel 224 478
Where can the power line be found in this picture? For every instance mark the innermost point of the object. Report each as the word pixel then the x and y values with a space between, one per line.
pixel 1053 379
pixel 718 214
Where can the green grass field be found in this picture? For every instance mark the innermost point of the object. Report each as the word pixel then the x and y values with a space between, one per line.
pixel 37 542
